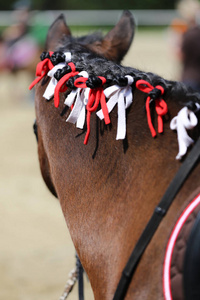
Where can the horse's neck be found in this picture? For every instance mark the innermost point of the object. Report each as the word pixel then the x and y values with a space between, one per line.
pixel 113 176
pixel 114 184
pixel 107 199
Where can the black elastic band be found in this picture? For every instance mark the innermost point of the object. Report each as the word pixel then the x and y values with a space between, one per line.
pixel 93 82
pixel 44 55
pixel 174 187
pixel 155 94
pixel 57 57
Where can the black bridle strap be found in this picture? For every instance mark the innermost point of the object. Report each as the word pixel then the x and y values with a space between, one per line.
pixel 80 271
pixel 159 212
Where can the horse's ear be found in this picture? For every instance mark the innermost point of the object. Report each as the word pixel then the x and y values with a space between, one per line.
pixel 117 42
pixel 56 33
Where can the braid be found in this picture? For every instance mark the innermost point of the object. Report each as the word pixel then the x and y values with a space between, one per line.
pixel 57 57
pixel 61 72
pixel 70 82
pixel 93 82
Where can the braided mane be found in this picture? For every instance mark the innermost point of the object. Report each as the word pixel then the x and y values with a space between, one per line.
pixel 93 79
pixel 97 65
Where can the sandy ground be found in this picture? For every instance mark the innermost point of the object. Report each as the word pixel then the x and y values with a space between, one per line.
pixel 36 252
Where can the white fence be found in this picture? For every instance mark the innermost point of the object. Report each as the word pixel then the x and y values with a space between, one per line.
pixel 93 17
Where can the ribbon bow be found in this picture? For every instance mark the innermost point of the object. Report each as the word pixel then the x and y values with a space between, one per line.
pixel 186 119
pixel 49 92
pixel 61 87
pixel 42 69
pixel 95 97
pixel 78 98
pixel 160 104
pixel 123 96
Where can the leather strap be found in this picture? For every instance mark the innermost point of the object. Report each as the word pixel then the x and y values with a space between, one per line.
pixel 159 212
pixel 80 278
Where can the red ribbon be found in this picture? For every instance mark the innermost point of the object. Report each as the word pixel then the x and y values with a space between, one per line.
pixel 61 87
pixel 96 96
pixel 42 69
pixel 81 82
pixel 160 105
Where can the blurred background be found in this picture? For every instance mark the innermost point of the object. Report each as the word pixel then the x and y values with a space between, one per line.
pixel 36 252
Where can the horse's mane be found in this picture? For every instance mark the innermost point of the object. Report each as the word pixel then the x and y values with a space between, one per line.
pixel 97 65
pixel 90 78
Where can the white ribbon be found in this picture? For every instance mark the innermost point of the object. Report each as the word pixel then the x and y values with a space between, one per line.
pixel 68 56
pixel 124 97
pixel 186 119
pixel 49 92
pixel 79 97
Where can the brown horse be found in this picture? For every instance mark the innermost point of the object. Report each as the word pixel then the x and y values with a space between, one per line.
pixel 108 198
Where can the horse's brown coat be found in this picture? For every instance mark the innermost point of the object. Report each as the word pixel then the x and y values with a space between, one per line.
pixel 108 200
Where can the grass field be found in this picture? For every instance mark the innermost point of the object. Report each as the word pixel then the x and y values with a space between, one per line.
pixel 36 252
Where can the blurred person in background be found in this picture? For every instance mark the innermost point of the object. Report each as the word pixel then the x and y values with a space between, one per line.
pixel 190 57
pixel 186 42
pixel 17 48
pixel 189 14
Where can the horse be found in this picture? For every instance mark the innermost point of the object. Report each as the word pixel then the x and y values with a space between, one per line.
pixel 114 158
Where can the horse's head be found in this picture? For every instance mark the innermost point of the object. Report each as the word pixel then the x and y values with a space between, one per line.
pixel 113 46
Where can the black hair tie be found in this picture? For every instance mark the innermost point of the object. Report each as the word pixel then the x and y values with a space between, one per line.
pixel 61 72
pixel 44 55
pixel 121 80
pixel 70 82
pixel 93 82
pixel 57 57
pixel 155 94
